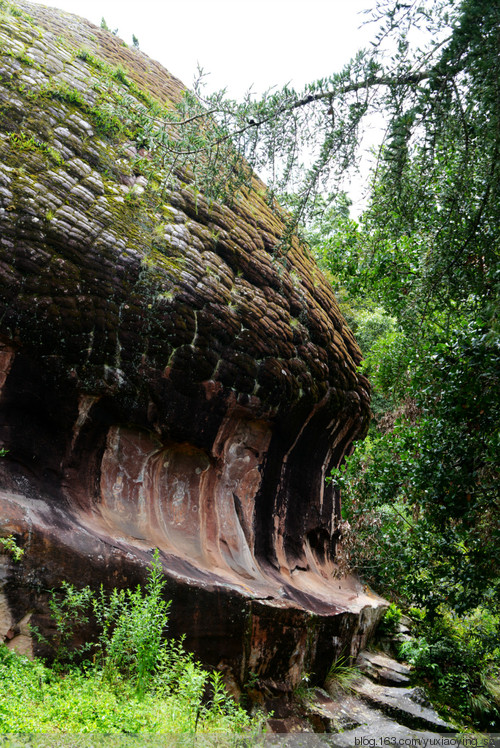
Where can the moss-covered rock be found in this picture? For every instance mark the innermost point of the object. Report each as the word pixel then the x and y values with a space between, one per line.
pixel 171 378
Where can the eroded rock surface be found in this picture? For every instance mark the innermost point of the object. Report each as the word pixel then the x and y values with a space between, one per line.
pixel 169 377
pixel 383 669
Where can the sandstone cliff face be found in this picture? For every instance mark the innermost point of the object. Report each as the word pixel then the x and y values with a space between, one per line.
pixel 168 378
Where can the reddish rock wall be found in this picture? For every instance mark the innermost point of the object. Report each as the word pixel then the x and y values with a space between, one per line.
pixel 168 377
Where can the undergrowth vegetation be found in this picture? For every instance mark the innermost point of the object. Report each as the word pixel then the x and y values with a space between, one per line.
pixel 458 657
pixel 133 679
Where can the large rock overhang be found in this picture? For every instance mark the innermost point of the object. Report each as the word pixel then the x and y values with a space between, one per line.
pixel 170 378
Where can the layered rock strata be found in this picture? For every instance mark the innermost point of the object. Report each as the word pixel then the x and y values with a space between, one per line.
pixel 170 378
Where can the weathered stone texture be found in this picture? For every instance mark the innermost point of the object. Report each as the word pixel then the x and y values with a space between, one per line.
pixel 169 377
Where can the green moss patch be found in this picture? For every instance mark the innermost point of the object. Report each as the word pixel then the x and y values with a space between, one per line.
pixel 23 142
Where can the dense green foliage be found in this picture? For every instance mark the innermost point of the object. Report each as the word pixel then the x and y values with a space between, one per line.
pixel 136 679
pixel 421 499
pixel 429 481
pixel 35 698
pixel 459 657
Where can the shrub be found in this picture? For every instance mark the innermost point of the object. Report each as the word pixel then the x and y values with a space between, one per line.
pixel 391 619
pixel 136 681
pixel 132 629
pixel 459 657
pixel 9 545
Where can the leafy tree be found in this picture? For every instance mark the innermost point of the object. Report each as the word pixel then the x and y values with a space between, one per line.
pixel 421 496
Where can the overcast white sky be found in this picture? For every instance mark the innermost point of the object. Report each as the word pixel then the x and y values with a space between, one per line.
pixel 240 43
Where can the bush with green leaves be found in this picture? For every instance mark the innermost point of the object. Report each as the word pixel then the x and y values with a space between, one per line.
pixel 132 626
pixel 430 483
pixel 459 656
pixel 9 545
pixel 391 619
pixel 136 679
pixel 421 501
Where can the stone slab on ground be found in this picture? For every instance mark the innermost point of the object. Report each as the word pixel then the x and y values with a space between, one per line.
pixel 348 720
pixel 406 705
pixel 383 669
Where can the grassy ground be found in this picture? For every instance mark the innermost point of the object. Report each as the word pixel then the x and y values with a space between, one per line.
pixel 134 680
pixel 37 699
